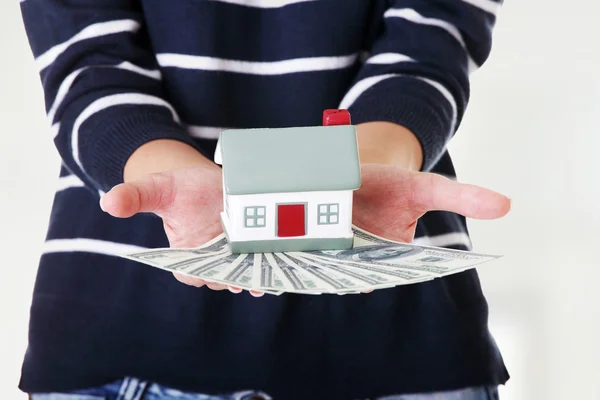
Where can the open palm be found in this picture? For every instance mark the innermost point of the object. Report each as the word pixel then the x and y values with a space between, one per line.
pixel 188 200
pixel 392 199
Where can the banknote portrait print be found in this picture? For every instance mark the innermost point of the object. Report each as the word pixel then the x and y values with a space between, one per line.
pixel 374 253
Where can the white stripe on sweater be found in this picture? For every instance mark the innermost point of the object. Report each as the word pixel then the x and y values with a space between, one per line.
pixel 362 86
pixel 111 101
pixel 54 130
pixel 89 246
pixel 489 6
pixel 149 73
pixel 389 58
pixel 89 32
pixel 307 64
pixel 365 84
pixel 62 92
pixel 263 3
pixel 411 15
pixel 445 240
pixel 204 132
pixel 65 86
pixel 69 181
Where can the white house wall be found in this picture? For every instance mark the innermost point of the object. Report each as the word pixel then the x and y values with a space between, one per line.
pixel 237 204
pixel 225 199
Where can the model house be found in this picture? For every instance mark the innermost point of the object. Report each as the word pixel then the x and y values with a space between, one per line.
pixel 290 189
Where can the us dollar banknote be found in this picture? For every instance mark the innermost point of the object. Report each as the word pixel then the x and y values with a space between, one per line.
pixel 295 279
pixel 164 257
pixel 370 249
pixel 372 263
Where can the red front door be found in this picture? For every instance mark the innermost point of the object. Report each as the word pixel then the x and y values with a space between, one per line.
pixel 290 220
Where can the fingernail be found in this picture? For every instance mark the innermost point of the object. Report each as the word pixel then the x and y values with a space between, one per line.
pixel 256 294
pixel 234 289
pixel 100 203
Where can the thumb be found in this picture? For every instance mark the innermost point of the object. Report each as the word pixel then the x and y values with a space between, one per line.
pixel 153 193
pixel 435 192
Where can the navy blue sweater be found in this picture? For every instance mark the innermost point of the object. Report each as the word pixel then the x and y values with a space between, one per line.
pixel 120 73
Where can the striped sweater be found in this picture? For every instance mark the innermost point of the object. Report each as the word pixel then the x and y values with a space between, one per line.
pixel 119 73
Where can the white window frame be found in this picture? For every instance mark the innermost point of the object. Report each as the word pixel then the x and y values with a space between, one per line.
pixel 328 214
pixel 255 216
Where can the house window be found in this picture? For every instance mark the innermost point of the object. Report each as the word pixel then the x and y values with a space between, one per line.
pixel 328 214
pixel 254 217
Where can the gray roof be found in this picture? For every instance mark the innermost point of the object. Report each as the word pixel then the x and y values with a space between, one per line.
pixel 289 159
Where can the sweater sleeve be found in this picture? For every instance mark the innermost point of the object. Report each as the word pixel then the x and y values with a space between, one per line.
pixel 418 66
pixel 102 86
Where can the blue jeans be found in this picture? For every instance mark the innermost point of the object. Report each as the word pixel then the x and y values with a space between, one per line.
pixel 135 389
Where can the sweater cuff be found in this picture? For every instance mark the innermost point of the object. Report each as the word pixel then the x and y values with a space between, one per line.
pixel 110 142
pixel 413 104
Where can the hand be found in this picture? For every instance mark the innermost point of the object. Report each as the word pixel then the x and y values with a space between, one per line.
pixel 188 200
pixel 392 199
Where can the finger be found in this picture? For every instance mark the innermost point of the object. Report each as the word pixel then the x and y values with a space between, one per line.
pixel 216 286
pixel 434 192
pixel 154 193
pixel 234 289
pixel 188 280
pixel 256 293
pixel 367 291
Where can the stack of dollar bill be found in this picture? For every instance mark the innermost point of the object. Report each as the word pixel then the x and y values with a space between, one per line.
pixel 372 263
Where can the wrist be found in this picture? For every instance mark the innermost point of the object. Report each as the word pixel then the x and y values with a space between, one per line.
pixel 163 155
pixel 389 143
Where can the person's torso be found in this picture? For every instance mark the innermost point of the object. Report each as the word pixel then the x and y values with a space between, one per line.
pixel 97 317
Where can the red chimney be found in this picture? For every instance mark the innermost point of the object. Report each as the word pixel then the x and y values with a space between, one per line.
pixel 336 117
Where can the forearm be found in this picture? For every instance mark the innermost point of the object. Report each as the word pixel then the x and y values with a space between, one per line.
pixel 163 155
pixel 417 72
pixel 388 143
pixel 103 105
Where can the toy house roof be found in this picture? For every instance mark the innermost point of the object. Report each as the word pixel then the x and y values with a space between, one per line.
pixel 319 158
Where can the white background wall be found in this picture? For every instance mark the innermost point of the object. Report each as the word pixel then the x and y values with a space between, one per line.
pixel 532 131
